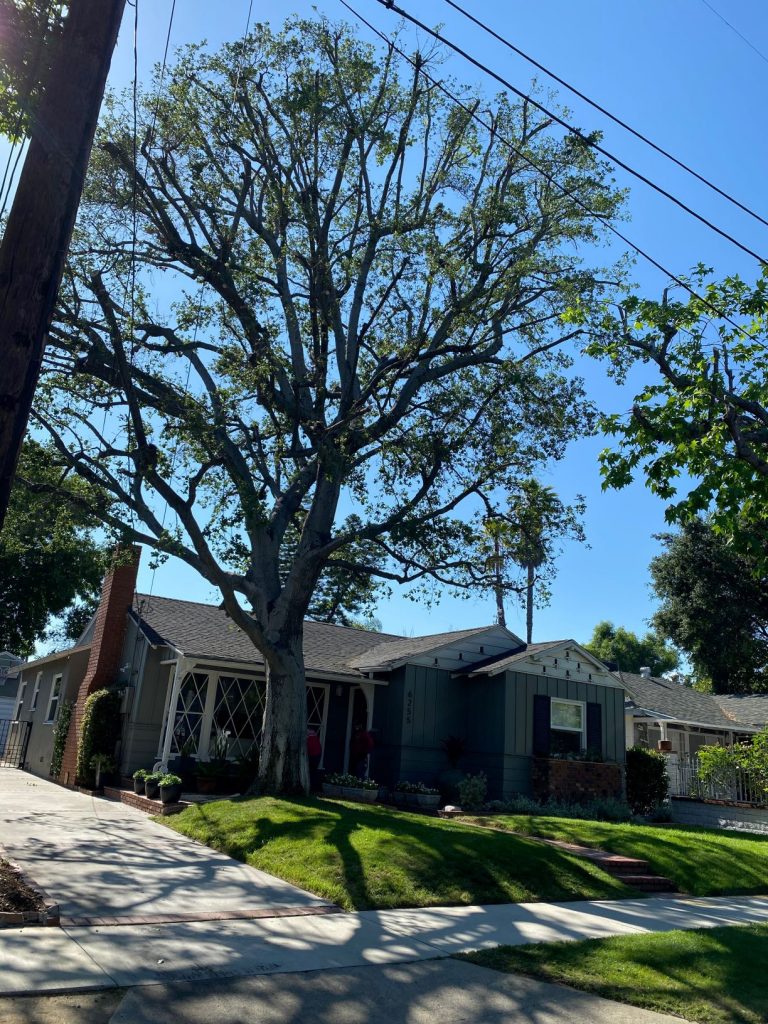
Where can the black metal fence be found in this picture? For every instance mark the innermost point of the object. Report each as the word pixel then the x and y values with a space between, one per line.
pixel 14 740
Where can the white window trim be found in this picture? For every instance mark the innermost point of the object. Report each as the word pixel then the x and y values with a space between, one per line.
pixel 20 700
pixel 50 719
pixel 36 693
pixel 324 723
pixel 559 728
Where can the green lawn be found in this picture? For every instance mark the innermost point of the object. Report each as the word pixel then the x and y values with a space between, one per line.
pixel 366 857
pixel 713 976
pixel 703 862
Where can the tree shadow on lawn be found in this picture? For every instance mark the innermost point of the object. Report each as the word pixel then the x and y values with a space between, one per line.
pixel 700 862
pixel 714 975
pixel 369 859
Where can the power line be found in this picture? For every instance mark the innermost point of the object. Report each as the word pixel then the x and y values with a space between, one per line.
pixel 472 112
pixel 733 28
pixel 585 139
pixel 617 120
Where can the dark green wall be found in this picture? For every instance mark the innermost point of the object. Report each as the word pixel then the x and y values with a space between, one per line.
pixel 520 691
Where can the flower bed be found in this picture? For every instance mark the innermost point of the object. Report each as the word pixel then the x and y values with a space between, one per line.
pixel 349 787
pixel 416 794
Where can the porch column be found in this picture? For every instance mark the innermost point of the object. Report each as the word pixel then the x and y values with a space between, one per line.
pixel 170 714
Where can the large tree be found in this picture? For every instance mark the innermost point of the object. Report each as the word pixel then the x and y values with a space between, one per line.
pixel 630 652
pixel 50 562
pixel 714 606
pixel 348 320
pixel 705 416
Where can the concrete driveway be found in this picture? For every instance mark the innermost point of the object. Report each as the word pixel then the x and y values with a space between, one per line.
pixel 101 859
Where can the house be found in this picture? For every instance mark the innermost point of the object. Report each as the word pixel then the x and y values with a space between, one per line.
pixel 188 676
pixel 9 683
pixel 659 709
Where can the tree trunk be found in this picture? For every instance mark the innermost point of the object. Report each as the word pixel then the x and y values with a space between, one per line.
pixel 39 228
pixel 529 606
pixel 501 618
pixel 283 762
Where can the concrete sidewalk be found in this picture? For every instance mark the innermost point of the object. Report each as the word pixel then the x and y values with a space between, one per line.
pixel 68 959
pixel 99 858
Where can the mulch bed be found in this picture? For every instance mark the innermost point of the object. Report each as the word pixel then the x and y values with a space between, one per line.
pixel 15 895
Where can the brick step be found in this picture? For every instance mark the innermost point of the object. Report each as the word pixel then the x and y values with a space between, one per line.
pixel 650 883
pixel 624 865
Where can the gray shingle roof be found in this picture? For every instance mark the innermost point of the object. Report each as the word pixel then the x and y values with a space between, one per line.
pixel 750 708
pixel 675 701
pixel 396 650
pixel 205 631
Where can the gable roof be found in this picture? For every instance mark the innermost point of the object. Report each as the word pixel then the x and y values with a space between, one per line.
pixel 394 652
pixel 206 631
pixel 747 708
pixel 672 701
pixel 531 652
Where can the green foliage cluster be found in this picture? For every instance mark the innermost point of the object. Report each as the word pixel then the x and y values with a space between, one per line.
pixel 703 420
pixel 50 563
pixel 647 780
pixel 60 731
pixel 416 787
pixel 169 779
pixel 99 731
pixel 629 652
pixel 350 781
pixel 472 791
pixel 29 33
pixel 719 767
pixel 603 809
pixel 713 603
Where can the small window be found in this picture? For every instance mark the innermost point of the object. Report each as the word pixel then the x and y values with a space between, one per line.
pixel 53 703
pixel 567 727
pixel 36 692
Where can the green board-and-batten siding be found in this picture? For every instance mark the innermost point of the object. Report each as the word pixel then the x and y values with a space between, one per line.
pixel 494 716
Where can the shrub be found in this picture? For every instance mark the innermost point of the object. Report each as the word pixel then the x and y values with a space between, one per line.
pixel 350 781
pixel 100 730
pixel 647 781
pixel 416 787
pixel 169 780
pixel 140 774
pixel 60 738
pixel 155 777
pixel 603 809
pixel 472 790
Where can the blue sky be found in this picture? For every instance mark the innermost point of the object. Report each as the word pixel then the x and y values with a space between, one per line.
pixel 673 70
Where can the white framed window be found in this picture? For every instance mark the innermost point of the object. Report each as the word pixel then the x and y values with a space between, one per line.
pixel 568 723
pixel 20 701
pixel 53 702
pixel 36 692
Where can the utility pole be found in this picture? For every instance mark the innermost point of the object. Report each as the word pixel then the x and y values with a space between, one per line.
pixel 37 236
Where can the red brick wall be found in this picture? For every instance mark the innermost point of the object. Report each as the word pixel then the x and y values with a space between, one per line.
pixel 579 781
pixel 106 647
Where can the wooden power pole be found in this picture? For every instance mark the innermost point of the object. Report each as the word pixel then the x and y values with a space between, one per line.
pixel 37 236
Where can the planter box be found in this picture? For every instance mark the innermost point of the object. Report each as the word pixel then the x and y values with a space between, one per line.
pixel 170 794
pixel 362 796
pixel 580 781
pixel 425 801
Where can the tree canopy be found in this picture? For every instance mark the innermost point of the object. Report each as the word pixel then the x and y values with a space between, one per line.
pixel 707 416
pixel 50 564
pixel 630 652
pixel 29 30
pixel 714 606
pixel 349 321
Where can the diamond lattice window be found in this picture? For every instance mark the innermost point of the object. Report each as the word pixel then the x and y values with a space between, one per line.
pixel 238 713
pixel 188 719
pixel 315 707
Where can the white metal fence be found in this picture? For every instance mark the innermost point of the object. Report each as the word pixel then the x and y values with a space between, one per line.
pixel 732 784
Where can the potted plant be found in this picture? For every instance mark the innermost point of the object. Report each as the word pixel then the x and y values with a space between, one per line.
pixel 170 788
pixel 152 784
pixel 138 780
pixel 416 794
pixel 350 787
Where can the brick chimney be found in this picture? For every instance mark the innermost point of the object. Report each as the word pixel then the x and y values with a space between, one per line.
pixel 110 624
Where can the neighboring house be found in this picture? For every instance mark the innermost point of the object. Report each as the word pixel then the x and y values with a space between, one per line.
pixel 9 683
pixel 660 709
pixel 188 676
